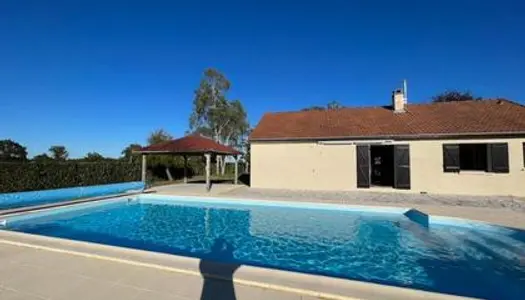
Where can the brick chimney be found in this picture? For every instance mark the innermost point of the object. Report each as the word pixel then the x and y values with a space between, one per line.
pixel 399 101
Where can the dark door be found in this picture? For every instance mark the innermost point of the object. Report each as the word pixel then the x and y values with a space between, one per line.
pixel 382 165
pixel 402 167
pixel 363 166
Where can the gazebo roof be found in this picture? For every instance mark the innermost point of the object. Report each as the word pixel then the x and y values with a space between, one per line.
pixel 190 144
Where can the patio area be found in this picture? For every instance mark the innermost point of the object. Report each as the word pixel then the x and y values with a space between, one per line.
pixel 35 267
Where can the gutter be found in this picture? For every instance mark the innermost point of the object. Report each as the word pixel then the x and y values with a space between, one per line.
pixel 396 137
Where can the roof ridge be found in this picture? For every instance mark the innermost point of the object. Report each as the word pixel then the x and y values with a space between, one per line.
pixel 390 106
pixel 498 115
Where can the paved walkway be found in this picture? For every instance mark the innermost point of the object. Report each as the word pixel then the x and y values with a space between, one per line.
pixel 504 210
pixel 33 274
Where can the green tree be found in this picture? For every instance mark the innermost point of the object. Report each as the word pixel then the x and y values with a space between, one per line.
pixel 167 161
pixel 334 105
pixel 42 158
pixel 247 151
pixel 159 136
pixel 225 121
pixel 455 95
pixel 59 153
pixel 127 153
pixel 315 107
pixel 94 157
pixel 12 151
pixel 331 105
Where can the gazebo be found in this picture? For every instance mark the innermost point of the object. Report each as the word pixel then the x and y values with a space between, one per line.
pixel 191 145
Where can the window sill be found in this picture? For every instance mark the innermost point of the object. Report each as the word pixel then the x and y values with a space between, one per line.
pixel 471 172
pixel 478 173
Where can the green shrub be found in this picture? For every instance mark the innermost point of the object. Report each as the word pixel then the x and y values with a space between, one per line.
pixel 30 176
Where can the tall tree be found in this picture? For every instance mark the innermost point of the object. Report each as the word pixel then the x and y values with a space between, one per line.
pixel 94 157
pixel 159 136
pixel 127 153
pixel 247 151
pixel 59 153
pixel 334 105
pixel 42 158
pixel 314 107
pixel 12 151
pixel 331 105
pixel 224 120
pixel 455 95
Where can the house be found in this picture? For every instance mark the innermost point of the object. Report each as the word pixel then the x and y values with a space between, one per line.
pixel 468 147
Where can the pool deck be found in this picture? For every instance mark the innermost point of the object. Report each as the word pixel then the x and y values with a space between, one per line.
pixel 37 267
pixel 502 210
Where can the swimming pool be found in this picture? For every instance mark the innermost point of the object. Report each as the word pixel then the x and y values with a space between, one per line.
pixel 381 246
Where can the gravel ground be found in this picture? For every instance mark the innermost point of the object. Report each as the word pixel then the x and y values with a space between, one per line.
pixel 368 197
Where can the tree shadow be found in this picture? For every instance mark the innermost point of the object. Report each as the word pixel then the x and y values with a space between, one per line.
pixel 218 277
pixel 212 181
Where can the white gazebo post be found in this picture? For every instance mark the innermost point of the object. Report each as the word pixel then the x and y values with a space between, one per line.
pixel 236 158
pixel 208 167
pixel 185 169
pixel 144 165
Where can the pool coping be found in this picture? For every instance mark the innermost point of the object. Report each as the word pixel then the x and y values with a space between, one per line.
pixel 323 287
pixel 432 219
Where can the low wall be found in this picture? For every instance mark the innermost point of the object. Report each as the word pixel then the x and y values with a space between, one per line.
pixel 24 199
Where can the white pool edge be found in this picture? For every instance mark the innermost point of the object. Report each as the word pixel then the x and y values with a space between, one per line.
pixel 323 287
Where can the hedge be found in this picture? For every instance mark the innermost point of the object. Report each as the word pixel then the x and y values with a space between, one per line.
pixel 30 176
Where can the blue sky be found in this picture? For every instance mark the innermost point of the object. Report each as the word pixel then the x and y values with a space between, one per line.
pixel 98 75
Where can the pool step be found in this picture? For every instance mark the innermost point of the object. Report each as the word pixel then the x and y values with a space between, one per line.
pixel 417 216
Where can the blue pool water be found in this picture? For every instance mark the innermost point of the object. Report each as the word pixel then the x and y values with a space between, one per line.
pixel 385 248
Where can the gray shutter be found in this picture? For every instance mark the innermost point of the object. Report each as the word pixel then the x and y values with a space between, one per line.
pixel 523 146
pixel 451 157
pixel 499 158
pixel 363 166
pixel 402 167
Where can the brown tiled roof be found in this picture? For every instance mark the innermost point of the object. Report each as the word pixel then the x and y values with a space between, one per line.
pixel 189 145
pixel 431 119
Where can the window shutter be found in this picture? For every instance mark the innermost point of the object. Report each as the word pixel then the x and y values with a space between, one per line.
pixel 402 166
pixel 451 157
pixel 523 145
pixel 363 166
pixel 499 157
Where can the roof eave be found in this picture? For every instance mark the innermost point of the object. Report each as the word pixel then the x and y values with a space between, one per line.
pixel 401 136
pixel 193 152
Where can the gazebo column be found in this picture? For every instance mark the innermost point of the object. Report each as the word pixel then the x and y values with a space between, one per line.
pixel 144 167
pixel 208 167
pixel 185 169
pixel 236 158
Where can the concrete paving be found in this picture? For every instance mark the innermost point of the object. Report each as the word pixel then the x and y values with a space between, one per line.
pixel 502 210
pixel 37 267
pixel 36 274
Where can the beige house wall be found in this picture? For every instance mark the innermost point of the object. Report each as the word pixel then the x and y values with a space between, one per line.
pixel 426 161
pixel 303 166
pixel 312 166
